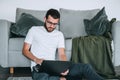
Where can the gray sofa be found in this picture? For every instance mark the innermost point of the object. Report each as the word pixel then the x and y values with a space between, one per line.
pixel 71 24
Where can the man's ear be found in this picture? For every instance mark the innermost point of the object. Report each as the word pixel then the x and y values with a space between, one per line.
pixel 44 19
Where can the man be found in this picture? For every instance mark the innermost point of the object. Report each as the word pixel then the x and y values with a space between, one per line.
pixel 41 44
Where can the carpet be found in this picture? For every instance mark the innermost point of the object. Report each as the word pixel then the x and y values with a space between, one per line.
pixel 19 78
pixel 30 78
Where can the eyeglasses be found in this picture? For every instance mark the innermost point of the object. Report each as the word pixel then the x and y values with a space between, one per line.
pixel 50 23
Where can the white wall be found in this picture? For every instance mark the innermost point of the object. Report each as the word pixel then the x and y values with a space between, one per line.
pixel 8 7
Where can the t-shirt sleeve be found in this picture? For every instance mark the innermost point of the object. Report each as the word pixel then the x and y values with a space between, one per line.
pixel 29 36
pixel 61 43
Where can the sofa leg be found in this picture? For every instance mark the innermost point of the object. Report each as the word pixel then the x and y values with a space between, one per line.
pixel 11 70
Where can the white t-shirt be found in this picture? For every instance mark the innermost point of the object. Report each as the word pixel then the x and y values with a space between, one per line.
pixel 43 43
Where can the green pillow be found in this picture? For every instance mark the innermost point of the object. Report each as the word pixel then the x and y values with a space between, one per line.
pixel 26 21
pixel 98 25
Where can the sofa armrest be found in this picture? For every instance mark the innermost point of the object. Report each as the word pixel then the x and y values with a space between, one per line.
pixel 4 36
pixel 116 42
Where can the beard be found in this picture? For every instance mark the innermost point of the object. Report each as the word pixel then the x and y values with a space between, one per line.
pixel 49 29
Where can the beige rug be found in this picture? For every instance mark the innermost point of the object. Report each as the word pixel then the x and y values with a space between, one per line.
pixel 19 78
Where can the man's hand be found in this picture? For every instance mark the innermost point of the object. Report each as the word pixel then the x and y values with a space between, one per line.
pixel 38 61
pixel 65 73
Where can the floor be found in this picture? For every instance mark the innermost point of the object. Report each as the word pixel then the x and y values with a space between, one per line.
pixel 22 72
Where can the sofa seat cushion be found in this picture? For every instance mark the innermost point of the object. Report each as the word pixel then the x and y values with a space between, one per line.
pixel 71 22
pixel 16 44
pixel 68 44
pixel 17 59
pixel 68 47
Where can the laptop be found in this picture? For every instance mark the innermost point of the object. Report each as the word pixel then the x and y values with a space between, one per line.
pixel 53 67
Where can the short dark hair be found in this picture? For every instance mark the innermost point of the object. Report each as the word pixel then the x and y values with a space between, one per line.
pixel 54 13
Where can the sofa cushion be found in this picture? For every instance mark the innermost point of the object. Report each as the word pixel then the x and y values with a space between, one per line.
pixel 98 25
pixel 36 13
pixel 68 47
pixel 25 22
pixel 71 22
pixel 68 44
pixel 17 59
pixel 16 44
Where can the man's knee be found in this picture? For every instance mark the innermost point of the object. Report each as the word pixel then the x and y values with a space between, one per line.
pixel 87 66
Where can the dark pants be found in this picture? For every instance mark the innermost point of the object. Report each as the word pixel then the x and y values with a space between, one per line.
pixel 76 72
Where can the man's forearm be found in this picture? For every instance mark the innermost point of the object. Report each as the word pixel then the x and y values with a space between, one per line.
pixel 63 57
pixel 29 55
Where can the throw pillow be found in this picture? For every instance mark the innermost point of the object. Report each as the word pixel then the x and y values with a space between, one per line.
pixel 98 25
pixel 25 22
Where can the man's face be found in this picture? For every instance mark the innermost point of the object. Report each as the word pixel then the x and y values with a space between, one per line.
pixel 51 23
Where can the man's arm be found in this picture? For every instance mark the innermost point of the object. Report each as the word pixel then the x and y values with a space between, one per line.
pixel 28 54
pixel 61 54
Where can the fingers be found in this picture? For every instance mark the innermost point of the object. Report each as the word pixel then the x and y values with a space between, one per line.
pixel 65 73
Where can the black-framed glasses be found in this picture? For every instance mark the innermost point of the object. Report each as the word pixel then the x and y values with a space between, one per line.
pixel 50 23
